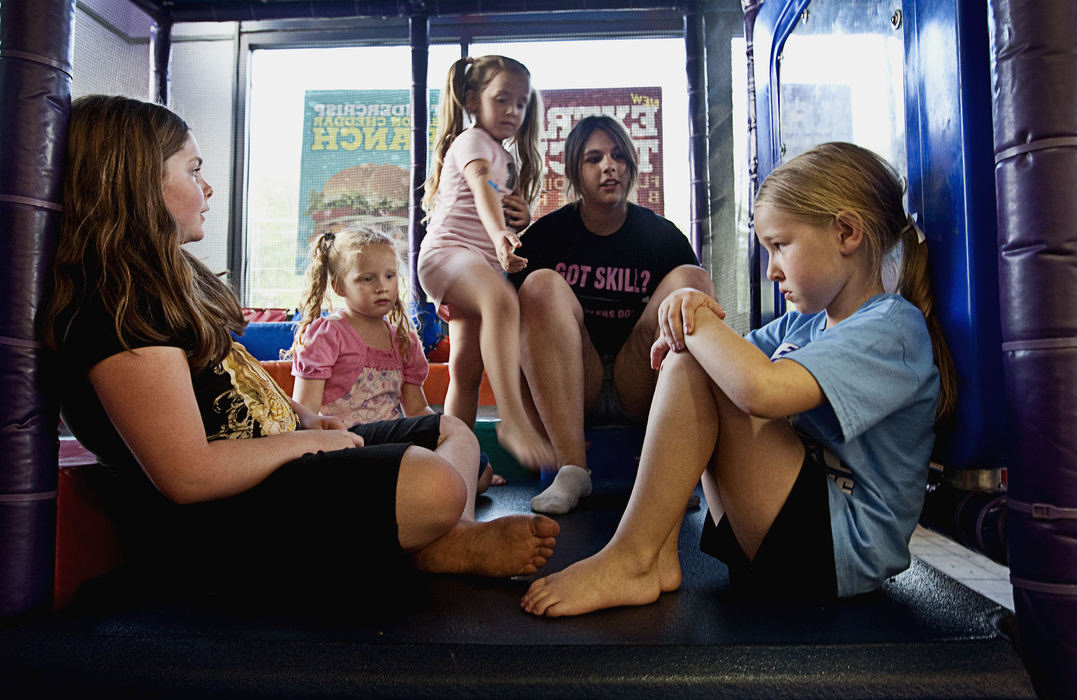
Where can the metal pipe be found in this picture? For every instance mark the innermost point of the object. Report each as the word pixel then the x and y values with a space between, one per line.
pixel 161 61
pixel 695 65
pixel 419 39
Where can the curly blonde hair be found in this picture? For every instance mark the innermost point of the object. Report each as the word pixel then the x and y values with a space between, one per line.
pixel 332 254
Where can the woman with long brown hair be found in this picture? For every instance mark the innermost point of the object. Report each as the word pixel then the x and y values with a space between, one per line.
pixel 219 473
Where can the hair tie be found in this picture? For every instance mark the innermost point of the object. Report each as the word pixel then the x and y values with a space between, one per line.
pixel 468 61
pixel 329 236
pixel 911 219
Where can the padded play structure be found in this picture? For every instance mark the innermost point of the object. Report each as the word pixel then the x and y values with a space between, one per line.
pixel 1006 309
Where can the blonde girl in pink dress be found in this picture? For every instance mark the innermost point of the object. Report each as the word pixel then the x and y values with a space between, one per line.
pixel 363 362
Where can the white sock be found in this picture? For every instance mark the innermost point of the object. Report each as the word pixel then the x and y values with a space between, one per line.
pixel 569 485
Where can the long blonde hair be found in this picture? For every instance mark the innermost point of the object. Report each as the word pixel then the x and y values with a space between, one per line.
pixel 332 255
pixel 815 185
pixel 466 80
pixel 119 240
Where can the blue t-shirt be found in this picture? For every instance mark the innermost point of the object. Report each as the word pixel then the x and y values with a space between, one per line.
pixel 878 374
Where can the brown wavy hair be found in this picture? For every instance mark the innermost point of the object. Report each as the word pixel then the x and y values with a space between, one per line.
pixel 119 240
pixel 332 255
pixel 817 184
pixel 467 79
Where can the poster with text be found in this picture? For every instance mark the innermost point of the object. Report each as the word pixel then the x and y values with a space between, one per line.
pixel 639 109
pixel 357 154
pixel 356 162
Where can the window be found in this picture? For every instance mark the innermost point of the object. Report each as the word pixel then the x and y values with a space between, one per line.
pixel 295 150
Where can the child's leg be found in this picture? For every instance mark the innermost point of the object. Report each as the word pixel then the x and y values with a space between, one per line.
pixel 485 300
pixel 556 355
pixel 751 466
pixel 465 369
pixel 640 560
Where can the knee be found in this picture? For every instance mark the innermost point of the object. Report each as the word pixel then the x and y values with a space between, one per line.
pixel 443 496
pixel 452 428
pixel 502 303
pixel 544 295
pixel 540 287
pixel 692 276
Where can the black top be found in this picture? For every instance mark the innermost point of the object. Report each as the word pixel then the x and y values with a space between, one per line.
pixel 236 397
pixel 612 276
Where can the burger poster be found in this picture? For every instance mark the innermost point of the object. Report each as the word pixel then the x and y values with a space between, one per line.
pixel 357 154
pixel 355 165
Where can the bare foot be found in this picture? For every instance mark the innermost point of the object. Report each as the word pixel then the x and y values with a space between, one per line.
pixel 600 581
pixel 515 545
pixel 498 480
pixel 486 479
pixel 525 444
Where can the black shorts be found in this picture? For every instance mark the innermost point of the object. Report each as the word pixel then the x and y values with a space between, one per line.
pixel 325 520
pixel 796 557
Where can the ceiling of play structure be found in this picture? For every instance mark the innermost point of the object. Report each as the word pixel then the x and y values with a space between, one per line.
pixel 230 10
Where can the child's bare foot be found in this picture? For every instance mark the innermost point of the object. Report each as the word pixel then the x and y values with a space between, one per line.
pixel 525 444
pixel 600 581
pixel 514 545
pixel 486 478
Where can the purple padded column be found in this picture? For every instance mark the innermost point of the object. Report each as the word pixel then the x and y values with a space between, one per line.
pixel 1034 76
pixel 35 99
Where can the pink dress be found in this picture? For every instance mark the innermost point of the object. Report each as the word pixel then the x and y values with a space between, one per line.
pixel 455 228
pixel 362 384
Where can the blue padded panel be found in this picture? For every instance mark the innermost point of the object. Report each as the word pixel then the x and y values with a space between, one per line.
pixel 951 187
pixel 266 339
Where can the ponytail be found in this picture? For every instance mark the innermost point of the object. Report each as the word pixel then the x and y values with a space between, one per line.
pixel 526 145
pixel 914 284
pixel 450 125
pixel 310 307
pixel 402 328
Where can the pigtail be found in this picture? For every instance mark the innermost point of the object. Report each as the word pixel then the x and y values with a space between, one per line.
pixel 310 306
pixel 914 284
pixel 526 145
pixel 402 328
pixel 450 125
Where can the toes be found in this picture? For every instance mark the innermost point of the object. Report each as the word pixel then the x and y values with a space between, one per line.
pixel 541 526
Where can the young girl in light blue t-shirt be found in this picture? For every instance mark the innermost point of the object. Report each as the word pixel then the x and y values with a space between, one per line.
pixel 812 435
